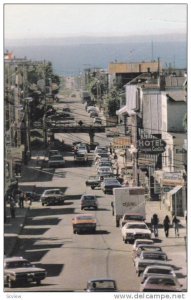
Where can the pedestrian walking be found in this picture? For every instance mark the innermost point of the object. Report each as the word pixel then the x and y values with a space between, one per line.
pixel 115 156
pixel 110 148
pixel 21 199
pixel 75 151
pixel 154 224
pixel 166 224
pixel 12 206
pixel 175 223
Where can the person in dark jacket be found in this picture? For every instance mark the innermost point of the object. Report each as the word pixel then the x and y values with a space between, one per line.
pixel 154 224
pixel 175 223
pixel 166 224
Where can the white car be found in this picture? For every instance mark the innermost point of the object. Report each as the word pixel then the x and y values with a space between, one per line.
pixel 56 161
pixel 148 258
pixel 52 196
pixel 91 108
pixel 104 169
pixel 157 270
pixel 134 230
pixel 161 283
pixel 137 242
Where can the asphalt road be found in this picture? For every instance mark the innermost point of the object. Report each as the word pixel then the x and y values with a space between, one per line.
pixel 47 239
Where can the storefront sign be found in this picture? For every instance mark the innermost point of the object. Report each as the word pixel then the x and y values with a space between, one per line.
pixel 151 146
pixel 172 179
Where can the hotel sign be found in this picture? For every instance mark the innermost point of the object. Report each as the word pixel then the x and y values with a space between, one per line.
pixel 151 146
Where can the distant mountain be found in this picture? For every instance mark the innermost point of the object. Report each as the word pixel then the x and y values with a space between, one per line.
pixel 70 56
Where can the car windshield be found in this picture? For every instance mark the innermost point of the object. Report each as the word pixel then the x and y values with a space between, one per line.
pixel 85 218
pixel 18 264
pixel 160 271
pixel 103 284
pixel 162 281
pixel 148 247
pixel 56 157
pixel 89 197
pixel 136 226
pixel 52 192
pixel 133 217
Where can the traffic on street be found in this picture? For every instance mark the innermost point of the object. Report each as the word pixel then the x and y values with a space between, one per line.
pixel 72 232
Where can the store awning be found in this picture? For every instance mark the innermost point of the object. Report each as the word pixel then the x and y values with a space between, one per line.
pixel 122 110
pixel 125 110
pixel 175 189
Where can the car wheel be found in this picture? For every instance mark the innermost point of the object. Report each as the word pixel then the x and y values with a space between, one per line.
pixel 42 204
pixel 125 241
pixel 82 208
pixel 92 187
pixel 38 282
pixel 74 231
pixel 138 273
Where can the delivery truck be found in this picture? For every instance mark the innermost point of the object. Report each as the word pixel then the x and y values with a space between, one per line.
pixel 128 200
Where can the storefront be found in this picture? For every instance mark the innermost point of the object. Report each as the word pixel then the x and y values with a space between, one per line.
pixel 171 187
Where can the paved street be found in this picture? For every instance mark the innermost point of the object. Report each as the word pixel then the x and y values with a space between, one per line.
pixel 70 259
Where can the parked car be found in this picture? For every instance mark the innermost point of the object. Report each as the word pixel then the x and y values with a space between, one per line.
pixel 157 270
pixel 137 242
pixel 88 201
pixel 56 161
pixel 93 114
pixel 104 164
pixel 133 230
pixel 101 285
pixel 104 169
pixel 148 258
pixel 19 271
pixel 91 108
pixel 53 152
pixel 102 154
pixel 84 223
pixel 108 184
pixel 131 217
pixel 145 247
pixel 52 196
pixel 100 148
pixel 93 182
pixel 161 283
pixel 97 121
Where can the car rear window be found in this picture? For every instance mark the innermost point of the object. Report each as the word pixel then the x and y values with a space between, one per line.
pixel 160 271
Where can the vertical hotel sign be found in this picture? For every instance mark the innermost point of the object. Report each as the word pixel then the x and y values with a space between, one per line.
pixel 151 146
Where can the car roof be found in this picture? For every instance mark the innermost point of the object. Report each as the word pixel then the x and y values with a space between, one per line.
pixel 136 222
pixel 14 258
pixel 133 214
pixel 153 252
pixel 159 267
pixel 101 279
pixel 144 240
pixel 51 190
pixel 87 215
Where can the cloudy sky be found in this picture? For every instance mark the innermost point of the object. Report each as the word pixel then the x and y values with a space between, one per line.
pixel 63 20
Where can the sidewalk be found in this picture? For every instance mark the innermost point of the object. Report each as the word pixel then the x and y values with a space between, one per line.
pixel 12 228
pixel 175 247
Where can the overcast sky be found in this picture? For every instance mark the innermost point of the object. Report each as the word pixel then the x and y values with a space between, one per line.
pixel 62 20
